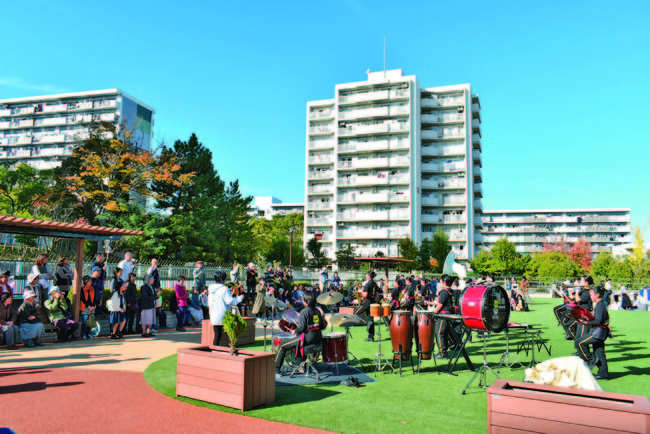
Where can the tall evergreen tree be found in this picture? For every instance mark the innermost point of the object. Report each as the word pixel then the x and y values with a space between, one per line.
pixel 440 248
pixel 237 234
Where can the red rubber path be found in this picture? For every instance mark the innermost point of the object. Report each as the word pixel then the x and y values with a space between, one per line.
pixel 51 400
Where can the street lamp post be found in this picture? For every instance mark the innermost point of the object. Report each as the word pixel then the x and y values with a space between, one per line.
pixel 292 229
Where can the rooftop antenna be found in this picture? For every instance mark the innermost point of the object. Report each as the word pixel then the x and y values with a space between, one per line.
pixel 384 57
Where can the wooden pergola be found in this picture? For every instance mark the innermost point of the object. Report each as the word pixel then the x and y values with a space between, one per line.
pixel 77 231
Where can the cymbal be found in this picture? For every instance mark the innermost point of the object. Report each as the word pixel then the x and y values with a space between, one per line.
pixel 343 318
pixel 275 302
pixel 330 298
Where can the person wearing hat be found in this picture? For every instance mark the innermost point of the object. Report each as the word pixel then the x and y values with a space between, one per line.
pixel 34 286
pixel 8 317
pixel 57 310
pixel 220 301
pixel 31 327
pixel 87 305
pixel 98 285
pixel 199 276
pixel 5 288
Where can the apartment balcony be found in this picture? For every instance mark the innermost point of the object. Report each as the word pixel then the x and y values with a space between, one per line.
pixel 322 144
pixel 439 135
pixel 367 163
pixel 319 205
pixel 5 112
pixel 325 221
pixel 372 233
pixel 478 190
pixel 476 126
pixel 84 106
pixel 431 219
pixel 478 205
pixel 370 252
pixel 476 156
pixel 23 123
pixel 529 249
pixel 431 201
pixel 476 108
pixel 322 114
pixel 23 111
pixel 478 238
pixel 321 174
pixel 454 201
pixel 437 184
pixel 477 173
pixel 433 101
pixel 363 215
pixel 24 140
pixel 438 151
pixel 373 112
pixel 447 167
pixel 5 124
pixel 325 236
pixel 476 142
pixel 51 151
pixel 21 153
pixel 442 118
pixel 478 222
pixel 329 189
pixel 321 130
pixel 385 127
pixel 374 96
pixel 53 138
pixel 321 159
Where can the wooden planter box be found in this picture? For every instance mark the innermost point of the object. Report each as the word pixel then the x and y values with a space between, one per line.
pixel 346 310
pixel 514 406
pixel 211 374
pixel 207 333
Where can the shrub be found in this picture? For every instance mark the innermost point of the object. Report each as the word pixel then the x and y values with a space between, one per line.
pixel 234 325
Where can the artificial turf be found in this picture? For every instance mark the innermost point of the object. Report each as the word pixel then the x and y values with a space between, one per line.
pixel 430 402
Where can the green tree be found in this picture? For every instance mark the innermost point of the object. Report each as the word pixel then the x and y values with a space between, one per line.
pixel 550 266
pixel 408 250
pixel 601 266
pixel 236 238
pixel 279 252
pixel 504 257
pixel 639 245
pixel 621 270
pixel 315 248
pixel 24 191
pixel 440 248
pixel 482 263
pixel 345 257
pixel 424 255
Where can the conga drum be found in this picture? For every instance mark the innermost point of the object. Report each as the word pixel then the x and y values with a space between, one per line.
pixel 425 333
pixel 335 347
pixel 375 310
pixel 385 309
pixel 401 334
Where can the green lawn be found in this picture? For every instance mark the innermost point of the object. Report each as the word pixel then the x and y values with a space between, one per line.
pixel 431 402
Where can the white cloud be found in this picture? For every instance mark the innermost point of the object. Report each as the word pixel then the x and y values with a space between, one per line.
pixel 17 83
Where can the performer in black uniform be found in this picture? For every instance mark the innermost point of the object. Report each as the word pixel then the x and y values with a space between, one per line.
pixel 560 309
pixel 582 298
pixel 308 332
pixel 363 311
pixel 596 336
pixel 445 305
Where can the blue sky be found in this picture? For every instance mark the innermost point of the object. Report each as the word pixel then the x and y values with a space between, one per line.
pixel 564 85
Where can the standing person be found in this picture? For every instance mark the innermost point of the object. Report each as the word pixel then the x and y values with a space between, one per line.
pixel 148 304
pixel 5 288
pixel 445 305
pixel 269 274
pixel 126 265
pixel 220 301
pixel 323 277
pixel 234 274
pixel 644 298
pixel 183 313
pixel 64 275
pixel 199 276
pixel 524 285
pixel 99 263
pixel 251 282
pixel 279 274
pixel 131 297
pixel 155 273
pixel 596 336
pixel 336 280
pixel 31 327
pixel 87 305
pixel 8 317
pixel 98 284
pixel 509 288
pixel 117 280
pixel 158 312
pixel 363 310
pixel 259 308
pixel 44 275
pixel 57 310
pixel 118 310
pixel 205 307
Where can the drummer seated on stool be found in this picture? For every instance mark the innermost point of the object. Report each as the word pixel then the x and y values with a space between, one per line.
pixel 308 332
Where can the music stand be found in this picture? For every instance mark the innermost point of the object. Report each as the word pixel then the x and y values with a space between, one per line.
pixel 483 369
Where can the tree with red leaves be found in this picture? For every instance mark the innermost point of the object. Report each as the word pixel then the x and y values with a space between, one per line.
pixel 581 254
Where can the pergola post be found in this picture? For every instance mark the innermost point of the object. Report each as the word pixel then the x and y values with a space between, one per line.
pixel 79 265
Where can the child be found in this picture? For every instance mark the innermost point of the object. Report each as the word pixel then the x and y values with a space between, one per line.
pixel 118 311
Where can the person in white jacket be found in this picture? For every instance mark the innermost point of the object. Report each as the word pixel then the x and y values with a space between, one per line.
pixel 220 300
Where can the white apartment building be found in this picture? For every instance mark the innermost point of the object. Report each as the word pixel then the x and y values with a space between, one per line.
pixel 388 159
pixel 605 229
pixel 269 206
pixel 42 130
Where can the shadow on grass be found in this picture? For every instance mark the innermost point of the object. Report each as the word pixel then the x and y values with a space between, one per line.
pixel 631 370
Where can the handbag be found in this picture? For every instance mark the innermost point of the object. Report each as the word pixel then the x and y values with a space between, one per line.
pixel 91 323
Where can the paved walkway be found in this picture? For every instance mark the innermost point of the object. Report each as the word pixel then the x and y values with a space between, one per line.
pixel 105 377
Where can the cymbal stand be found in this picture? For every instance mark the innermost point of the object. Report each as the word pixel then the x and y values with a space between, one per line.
pixel 350 353
pixel 505 358
pixel 482 370
pixel 265 325
pixel 380 357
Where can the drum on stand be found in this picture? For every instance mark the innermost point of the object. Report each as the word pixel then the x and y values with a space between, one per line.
pixel 424 328
pixel 485 308
pixel 289 320
pixel 335 347
pixel 385 310
pixel 375 310
pixel 401 333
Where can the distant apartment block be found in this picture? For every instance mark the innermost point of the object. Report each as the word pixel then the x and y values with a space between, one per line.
pixel 41 131
pixel 605 229
pixel 388 159
pixel 269 206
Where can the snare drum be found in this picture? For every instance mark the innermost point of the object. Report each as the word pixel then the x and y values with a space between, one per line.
pixel 375 310
pixel 401 333
pixel 335 347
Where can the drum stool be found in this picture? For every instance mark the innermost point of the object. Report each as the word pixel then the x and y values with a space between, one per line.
pixel 307 365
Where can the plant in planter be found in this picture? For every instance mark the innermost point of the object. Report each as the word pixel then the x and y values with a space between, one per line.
pixel 234 326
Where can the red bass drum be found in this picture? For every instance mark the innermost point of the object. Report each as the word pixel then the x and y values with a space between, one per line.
pixel 485 308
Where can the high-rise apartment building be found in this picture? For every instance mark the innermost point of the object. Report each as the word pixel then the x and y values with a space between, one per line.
pixel 388 159
pixel 605 229
pixel 42 130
